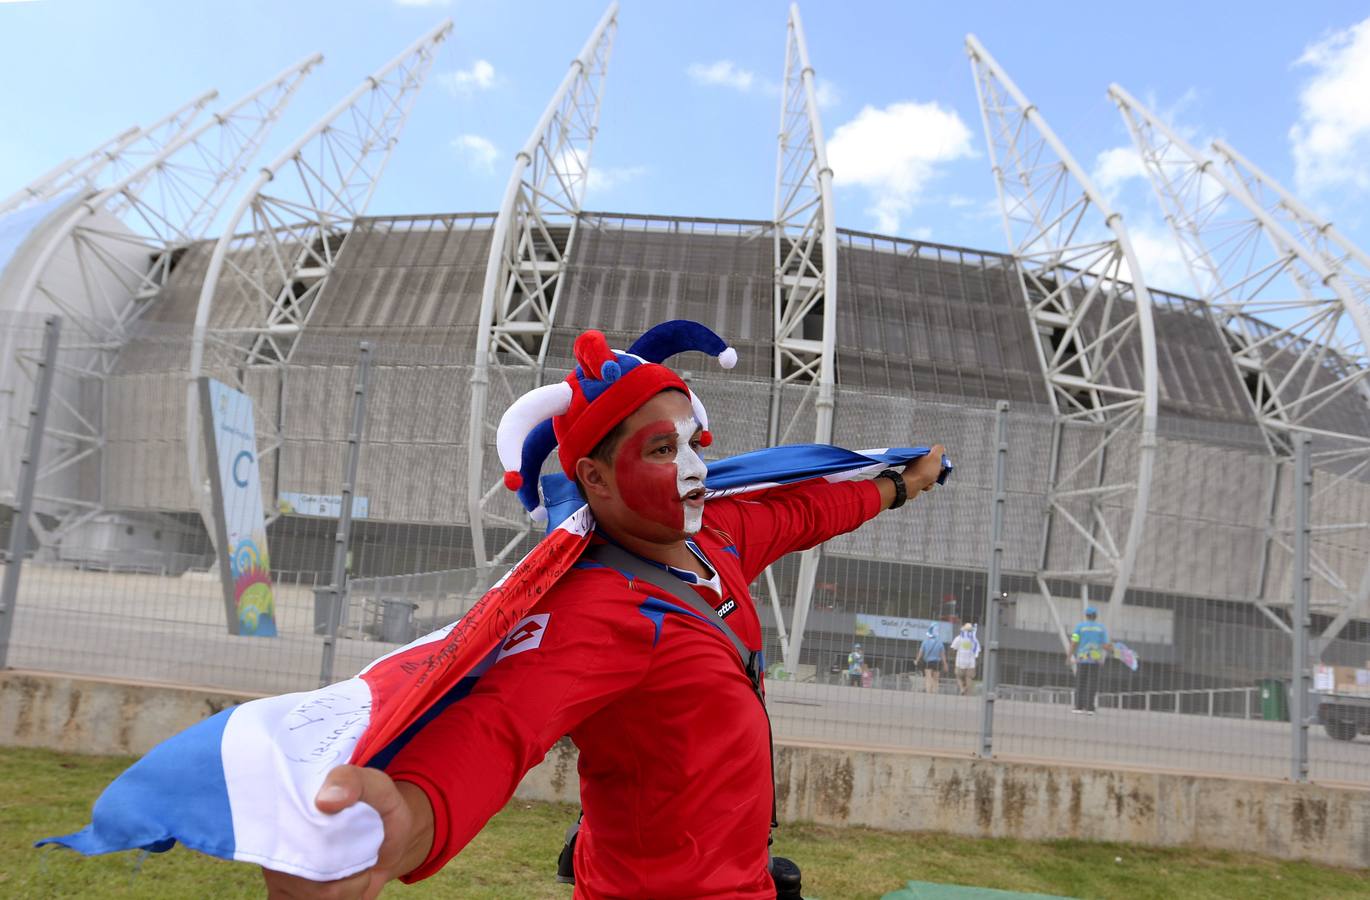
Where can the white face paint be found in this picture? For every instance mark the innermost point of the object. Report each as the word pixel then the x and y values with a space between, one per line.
pixel 690 472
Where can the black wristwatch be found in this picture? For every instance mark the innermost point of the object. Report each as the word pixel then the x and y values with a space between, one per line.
pixel 901 492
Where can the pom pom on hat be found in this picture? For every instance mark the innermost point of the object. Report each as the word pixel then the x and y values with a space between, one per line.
pixel 592 351
pixel 728 358
pixel 513 480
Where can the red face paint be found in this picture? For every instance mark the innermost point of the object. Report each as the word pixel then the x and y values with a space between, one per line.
pixel 649 488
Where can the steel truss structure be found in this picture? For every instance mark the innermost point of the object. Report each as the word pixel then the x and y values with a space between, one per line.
pixel 805 290
pixel 1090 310
pixel 121 155
pixel 530 249
pixel 298 213
pixel 1289 296
pixel 123 243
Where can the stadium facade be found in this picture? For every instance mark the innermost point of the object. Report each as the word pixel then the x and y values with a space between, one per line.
pixel 868 340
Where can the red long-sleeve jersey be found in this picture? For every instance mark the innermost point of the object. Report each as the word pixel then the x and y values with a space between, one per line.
pixel 675 758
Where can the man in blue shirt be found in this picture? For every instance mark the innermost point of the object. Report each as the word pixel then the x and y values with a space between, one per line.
pixel 856 665
pixel 934 659
pixel 1089 648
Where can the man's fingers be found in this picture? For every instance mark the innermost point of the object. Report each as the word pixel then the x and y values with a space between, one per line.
pixel 379 792
pixel 341 788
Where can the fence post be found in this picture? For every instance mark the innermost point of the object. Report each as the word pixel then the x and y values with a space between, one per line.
pixel 337 587
pixel 1300 682
pixel 994 589
pixel 28 477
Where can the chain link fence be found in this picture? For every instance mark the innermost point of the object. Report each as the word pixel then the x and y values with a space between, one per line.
pixel 121 581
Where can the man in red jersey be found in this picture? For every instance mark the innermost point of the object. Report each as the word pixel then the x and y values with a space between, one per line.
pixel 675 757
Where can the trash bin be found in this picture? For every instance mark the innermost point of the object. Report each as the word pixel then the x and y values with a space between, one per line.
pixel 1274 699
pixel 397 621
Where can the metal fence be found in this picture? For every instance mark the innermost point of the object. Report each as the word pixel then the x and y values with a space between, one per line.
pixel 119 578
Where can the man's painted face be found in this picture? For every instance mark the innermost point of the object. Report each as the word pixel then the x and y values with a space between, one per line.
pixel 660 475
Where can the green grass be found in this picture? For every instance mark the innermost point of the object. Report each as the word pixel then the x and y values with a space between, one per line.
pixel 47 793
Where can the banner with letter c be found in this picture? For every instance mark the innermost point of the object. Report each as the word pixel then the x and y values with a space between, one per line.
pixel 240 526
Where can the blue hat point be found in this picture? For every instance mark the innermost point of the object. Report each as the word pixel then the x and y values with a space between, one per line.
pixel 678 335
pixel 1091 611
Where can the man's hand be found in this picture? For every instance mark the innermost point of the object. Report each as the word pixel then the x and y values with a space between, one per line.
pixel 408 821
pixel 922 475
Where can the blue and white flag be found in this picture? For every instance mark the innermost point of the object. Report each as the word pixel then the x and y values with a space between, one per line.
pixel 241 784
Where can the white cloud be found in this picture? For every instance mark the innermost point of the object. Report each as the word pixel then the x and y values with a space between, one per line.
pixel 480 77
pixel 607 178
pixel 894 153
pixel 826 93
pixel 723 73
pixel 423 2
pixel 1160 257
pixel 477 150
pixel 1116 166
pixel 1331 140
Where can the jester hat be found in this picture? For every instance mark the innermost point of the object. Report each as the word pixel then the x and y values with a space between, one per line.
pixel 606 387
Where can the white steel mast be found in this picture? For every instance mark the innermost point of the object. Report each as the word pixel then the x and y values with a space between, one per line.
pixel 1090 311
pixel 805 337
pixel 529 251
pixel 1289 311
pixel 124 153
pixel 1351 266
pixel 123 242
pixel 294 219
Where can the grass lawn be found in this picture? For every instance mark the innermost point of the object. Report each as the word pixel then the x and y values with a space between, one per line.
pixel 47 793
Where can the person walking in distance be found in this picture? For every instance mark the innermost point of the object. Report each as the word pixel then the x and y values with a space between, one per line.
pixel 1089 647
pixel 933 658
pixel 856 665
pixel 967 649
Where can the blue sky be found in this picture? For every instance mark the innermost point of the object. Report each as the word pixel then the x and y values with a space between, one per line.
pixel 691 108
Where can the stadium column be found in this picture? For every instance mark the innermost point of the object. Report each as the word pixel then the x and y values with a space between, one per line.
pixel 284 239
pixel 29 464
pixel 805 234
pixel 994 598
pixel 530 250
pixel 123 242
pixel 1300 682
pixel 1291 308
pixel 1091 313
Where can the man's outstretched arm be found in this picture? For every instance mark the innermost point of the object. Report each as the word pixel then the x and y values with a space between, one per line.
pixel 786 520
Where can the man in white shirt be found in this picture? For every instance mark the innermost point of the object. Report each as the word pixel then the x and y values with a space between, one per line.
pixel 967 651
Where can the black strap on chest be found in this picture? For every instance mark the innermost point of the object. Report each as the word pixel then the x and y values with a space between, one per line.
pixel 622 560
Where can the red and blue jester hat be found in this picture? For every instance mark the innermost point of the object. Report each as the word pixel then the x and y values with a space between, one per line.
pixel 607 386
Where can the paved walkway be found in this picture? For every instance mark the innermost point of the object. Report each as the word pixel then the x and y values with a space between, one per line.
pixel 152 628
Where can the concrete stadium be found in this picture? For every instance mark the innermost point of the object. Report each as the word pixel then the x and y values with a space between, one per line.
pixel 1176 518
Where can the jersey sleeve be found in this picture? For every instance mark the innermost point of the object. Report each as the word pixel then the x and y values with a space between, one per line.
pixel 784 520
pixel 471 757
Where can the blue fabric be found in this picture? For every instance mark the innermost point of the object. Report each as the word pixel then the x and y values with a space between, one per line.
pixel 932 649
pixel 132 811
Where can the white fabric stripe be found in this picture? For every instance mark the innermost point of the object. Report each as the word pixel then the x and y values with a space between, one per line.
pixel 275 754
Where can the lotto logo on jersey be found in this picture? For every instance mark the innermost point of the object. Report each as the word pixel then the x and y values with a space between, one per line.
pixel 726 608
pixel 527 635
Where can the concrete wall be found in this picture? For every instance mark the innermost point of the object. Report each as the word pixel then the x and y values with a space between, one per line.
pixel 827 784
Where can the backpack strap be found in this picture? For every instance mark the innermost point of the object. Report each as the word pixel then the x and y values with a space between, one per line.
pixel 641 570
